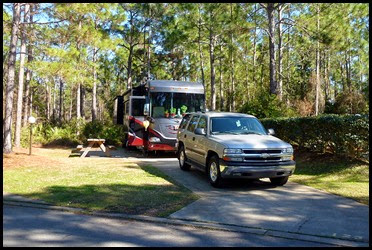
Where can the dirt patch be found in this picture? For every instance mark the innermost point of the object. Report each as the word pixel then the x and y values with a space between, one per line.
pixel 20 158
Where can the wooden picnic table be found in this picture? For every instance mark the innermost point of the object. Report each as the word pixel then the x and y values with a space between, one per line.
pixel 99 143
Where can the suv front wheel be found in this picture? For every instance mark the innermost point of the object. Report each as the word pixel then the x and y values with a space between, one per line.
pixel 279 181
pixel 214 173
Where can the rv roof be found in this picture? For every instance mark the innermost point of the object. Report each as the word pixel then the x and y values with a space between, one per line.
pixel 176 86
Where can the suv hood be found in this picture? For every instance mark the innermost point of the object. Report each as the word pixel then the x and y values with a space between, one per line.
pixel 249 141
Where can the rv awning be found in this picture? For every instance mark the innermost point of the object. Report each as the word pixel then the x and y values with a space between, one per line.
pixel 176 86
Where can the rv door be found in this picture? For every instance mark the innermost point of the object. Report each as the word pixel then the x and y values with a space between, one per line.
pixel 137 105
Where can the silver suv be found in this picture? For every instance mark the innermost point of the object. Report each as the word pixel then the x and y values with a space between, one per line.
pixel 233 145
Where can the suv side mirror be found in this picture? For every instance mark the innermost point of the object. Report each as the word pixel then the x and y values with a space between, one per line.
pixel 271 131
pixel 200 131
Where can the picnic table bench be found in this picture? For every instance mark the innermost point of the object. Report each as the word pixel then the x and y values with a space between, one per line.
pixel 95 142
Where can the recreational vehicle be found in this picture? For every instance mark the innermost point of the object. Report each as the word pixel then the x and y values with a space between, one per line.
pixel 152 112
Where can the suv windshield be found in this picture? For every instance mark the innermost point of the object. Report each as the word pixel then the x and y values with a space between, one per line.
pixel 236 125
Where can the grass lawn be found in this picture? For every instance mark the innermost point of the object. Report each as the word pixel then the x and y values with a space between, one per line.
pixel 93 183
pixel 334 175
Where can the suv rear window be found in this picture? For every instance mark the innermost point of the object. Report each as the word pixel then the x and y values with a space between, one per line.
pixel 193 123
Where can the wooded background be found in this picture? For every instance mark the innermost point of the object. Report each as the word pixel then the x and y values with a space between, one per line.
pixel 64 62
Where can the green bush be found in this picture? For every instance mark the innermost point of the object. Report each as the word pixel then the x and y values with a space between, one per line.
pixel 112 133
pixel 338 134
pixel 267 106
pixel 72 133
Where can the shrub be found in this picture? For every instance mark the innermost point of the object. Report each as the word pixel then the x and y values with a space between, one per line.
pixel 112 133
pixel 72 133
pixel 338 134
pixel 350 102
pixel 49 134
pixel 266 106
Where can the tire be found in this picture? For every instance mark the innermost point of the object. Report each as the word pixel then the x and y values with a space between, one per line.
pixel 214 173
pixel 125 143
pixel 182 159
pixel 279 181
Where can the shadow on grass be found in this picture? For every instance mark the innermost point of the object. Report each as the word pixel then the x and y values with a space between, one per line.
pixel 152 200
pixel 318 164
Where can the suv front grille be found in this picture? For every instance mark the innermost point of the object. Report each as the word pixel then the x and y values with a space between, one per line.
pixel 261 151
pixel 263 157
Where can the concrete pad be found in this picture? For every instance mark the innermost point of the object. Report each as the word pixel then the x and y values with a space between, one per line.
pixel 293 208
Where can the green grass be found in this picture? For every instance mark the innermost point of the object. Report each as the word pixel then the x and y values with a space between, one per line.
pixel 99 184
pixel 335 175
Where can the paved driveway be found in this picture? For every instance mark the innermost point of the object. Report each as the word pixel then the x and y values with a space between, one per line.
pixel 292 208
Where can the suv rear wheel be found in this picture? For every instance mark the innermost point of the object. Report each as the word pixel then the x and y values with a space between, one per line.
pixel 279 181
pixel 182 159
pixel 214 173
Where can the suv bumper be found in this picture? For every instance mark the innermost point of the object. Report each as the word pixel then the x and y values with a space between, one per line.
pixel 243 170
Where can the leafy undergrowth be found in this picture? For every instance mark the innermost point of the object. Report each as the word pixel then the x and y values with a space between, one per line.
pixel 334 174
pixel 93 183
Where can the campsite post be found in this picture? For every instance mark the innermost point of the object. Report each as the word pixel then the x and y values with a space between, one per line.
pixel 31 120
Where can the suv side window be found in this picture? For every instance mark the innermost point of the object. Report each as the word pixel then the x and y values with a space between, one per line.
pixel 193 123
pixel 184 121
pixel 203 123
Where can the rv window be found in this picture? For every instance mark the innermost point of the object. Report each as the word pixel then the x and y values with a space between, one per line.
pixel 161 102
pixel 137 107
pixel 126 107
pixel 193 102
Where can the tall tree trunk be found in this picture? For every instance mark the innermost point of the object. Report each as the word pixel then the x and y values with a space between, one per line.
pixel 317 67
pixel 213 73
pixel 149 46
pixel 47 97
pixel 54 100
pixel 7 128
pixel 232 94
pixel 26 98
pixel 28 72
pixel 130 58
pixel 82 101
pixel 222 100
pixel 131 48
pixel 31 103
pixel 78 89
pixel 70 113
pixel 280 54
pixel 60 100
pixel 201 53
pixel 247 71
pixel 254 47
pixel 270 13
pixel 78 98
pixel 17 136
pixel 94 91
pixel 288 60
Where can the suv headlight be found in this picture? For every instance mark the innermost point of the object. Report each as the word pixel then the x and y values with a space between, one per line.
pixel 232 151
pixel 287 150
